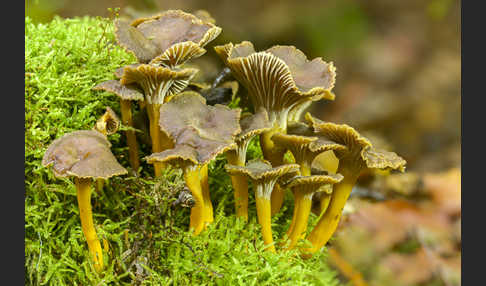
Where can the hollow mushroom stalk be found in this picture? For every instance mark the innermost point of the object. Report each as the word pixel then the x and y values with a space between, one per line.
pixel 127 94
pixel 158 83
pixel 359 155
pixel 304 149
pixel 168 39
pixel 278 79
pixel 306 187
pixel 251 126
pixel 84 155
pixel 264 178
pixel 210 130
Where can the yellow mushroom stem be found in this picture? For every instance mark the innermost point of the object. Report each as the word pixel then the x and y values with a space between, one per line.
pixel 100 183
pixel 126 112
pixel 193 182
pixel 275 156
pixel 83 189
pixel 324 203
pixel 297 198
pixel 262 197
pixel 305 170
pixel 160 141
pixel 327 224
pixel 208 206
pixel 240 186
pixel 302 217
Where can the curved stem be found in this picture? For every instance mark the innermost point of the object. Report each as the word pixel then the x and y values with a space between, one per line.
pixel 324 203
pixel 301 221
pixel 191 177
pixel 100 183
pixel 275 156
pixel 305 170
pixel 126 112
pixel 240 186
pixel 83 190
pixel 327 224
pixel 208 206
pixel 264 217
pixel 160 140
pixel 297 198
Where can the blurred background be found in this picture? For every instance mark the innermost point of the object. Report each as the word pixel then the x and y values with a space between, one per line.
pixel 398 82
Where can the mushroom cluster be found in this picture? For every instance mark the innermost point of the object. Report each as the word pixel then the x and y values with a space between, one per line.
pixel 188 129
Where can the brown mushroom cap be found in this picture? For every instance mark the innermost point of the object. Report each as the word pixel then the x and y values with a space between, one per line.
pixel 108 123
pixel 314 183
pixel 181 155
pixel 205 16
pixel 305 148
pixel 123 91
pixel 178 54
pixel 253 124
pixel 340 133
pixel 360 151
pixel 381 159
pixel 278 79
pixel 119 71
pixel 82 154
pixel 211 130
pixel 299 128
pixel 163 31
pixel 260 170
pixel 134 41
pixel 308 75
pixel 158 83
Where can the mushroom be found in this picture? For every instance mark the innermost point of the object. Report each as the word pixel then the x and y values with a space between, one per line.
pixel 158 84
pixel 359 155
pixel 280 79
pixel 251 126
pixel 126 93
pixel 84 155
pixel 306 187
pixel 208 130
pixel 107 124
pixel 264 177
pixel 168 39
pixel 304 149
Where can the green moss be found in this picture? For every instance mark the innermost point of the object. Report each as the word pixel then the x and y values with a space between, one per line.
pixel 145 233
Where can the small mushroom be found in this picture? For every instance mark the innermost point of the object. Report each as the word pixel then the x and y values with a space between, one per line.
pixel 209 130
pixel 84 155
pixel 158 84
pixel 264 178
pixel 306 187
pixel 251 126
pixel 359 155
pixel 108 123
pixel 304 149
pixel 126 93
pixel 168 39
